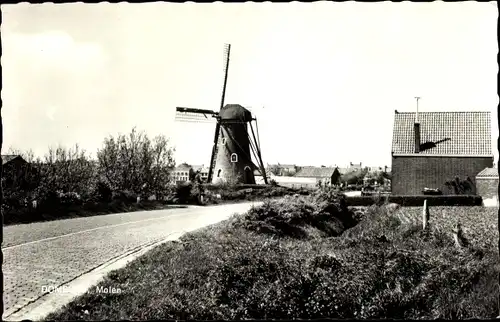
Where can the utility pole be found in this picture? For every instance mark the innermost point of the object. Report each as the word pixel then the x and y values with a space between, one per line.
pixel 417 98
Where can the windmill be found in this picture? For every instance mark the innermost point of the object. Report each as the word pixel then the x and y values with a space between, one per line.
pixel 233 146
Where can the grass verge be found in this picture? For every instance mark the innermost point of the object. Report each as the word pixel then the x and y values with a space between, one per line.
pixel 302 258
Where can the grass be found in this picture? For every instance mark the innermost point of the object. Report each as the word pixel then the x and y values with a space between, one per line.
pixel 302 258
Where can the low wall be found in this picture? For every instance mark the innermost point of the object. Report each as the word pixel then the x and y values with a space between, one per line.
pixel 292 182
pixel 418 200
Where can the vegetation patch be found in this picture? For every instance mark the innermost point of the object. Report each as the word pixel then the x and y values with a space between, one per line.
pixel 259 266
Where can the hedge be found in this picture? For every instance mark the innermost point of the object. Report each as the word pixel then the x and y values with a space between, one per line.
pixel 418 200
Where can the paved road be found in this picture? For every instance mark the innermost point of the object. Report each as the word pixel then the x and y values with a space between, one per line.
pixel 50 254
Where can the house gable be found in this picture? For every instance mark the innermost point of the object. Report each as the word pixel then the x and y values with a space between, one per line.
pixel 465 134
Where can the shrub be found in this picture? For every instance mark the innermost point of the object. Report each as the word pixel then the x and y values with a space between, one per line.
pixel 328 194
pixel 184 193
pixel 460 187
pixel 70 199
pixel 125 196
pixel 292 216
pixel 103 192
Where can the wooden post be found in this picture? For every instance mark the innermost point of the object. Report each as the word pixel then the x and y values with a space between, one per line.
pixel 457 232
pixel 425 216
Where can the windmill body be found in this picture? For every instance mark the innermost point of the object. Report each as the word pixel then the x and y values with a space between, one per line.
pixel 233 147
pixel 233 162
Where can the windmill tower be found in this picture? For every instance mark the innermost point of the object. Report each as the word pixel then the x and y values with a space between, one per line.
pixel 233 147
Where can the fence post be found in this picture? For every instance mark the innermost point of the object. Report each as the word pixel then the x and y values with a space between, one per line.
pixel 458 236
pixel 425 216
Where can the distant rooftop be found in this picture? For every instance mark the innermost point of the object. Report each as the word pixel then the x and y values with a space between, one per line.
pixel 9 157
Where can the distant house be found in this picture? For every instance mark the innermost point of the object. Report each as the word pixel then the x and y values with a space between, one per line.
pixel 282 169
pixel 288 169
pixel 438 147
pixel 12 160
pixel 372 169
pixel 14 171
pixel 180 173
pixel 487 185
pixel 325 175
pixel 203 171
pixel 355 166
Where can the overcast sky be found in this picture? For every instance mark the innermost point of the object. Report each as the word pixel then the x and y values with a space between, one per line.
pixel 323 79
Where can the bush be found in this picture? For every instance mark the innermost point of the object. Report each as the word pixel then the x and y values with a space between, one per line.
pixel 125 196
pixel 293 216
pixel 103 192
pixel 185 193
pixel 328 194
pixel 70 199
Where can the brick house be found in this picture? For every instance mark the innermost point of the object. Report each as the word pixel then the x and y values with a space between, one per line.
pixel 487 185
pixel 431 148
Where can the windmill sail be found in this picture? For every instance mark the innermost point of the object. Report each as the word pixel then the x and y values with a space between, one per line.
pixel 192 115
pixel 227 52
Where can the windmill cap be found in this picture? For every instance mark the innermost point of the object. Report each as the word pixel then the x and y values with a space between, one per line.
pixel 235 112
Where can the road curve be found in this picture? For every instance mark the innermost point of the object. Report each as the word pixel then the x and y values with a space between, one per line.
pixel 50 254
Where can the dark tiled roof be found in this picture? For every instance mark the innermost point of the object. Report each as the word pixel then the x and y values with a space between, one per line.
pixel 464 133
pixel 488 172
pixel 8 158
pixel 315 172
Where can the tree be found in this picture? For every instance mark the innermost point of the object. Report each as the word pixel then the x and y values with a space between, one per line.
pixel 66 170
pixel 192 174
pixel 354 177
pixel 336 176
pixel 136 163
